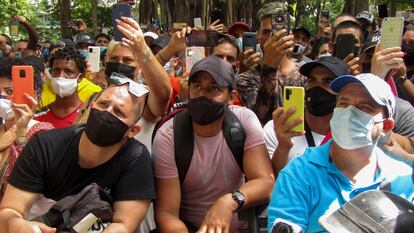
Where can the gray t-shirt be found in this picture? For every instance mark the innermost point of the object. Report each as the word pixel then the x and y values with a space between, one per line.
pixel 404 118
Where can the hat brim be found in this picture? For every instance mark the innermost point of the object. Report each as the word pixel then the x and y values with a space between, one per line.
pixel 342 81
pixel 213 74
pixel 307 68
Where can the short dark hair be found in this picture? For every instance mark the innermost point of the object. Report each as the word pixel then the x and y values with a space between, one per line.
pixel 69 54
pixel 349 24
pixel 102 35
pixel 225 38
pixel 317 45
pixel 6 71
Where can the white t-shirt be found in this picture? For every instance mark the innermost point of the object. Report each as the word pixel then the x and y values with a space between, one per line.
pixel 299 146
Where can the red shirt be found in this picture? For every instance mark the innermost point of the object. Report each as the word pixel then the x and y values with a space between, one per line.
pixel 59 122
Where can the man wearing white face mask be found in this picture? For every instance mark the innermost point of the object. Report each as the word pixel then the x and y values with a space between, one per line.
pixel 67 69
pixel 301 37
pixel 324 178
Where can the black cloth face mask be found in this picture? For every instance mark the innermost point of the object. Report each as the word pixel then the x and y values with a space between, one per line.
pixel 203 111
pixel 104 129
pixel 319 102
pixel 409 58
pixel 120 68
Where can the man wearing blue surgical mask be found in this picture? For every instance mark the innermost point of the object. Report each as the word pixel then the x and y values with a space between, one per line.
pixel 324 178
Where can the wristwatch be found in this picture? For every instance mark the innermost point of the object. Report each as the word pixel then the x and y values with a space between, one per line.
pixel 238 197
pixel 402 79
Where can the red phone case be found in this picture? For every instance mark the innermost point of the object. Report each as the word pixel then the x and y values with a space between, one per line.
pixel 23 82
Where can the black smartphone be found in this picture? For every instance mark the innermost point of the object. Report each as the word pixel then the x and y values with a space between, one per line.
pixel 325 16
pixel 344 45
pixel 119 10
pixel 281 21
pixel 382 11
pixel 216 14
pixel 249 41
pixel 203 38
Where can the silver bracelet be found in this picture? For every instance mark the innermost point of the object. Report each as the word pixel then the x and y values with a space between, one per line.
pixel 146 58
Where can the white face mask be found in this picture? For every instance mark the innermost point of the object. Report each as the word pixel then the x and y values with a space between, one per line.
pixel 6 112
pixel 327 54
pixel 351 128
pixel 299 48
pixel 64 87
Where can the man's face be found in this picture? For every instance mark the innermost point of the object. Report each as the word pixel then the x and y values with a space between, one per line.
pixel 227 52
pixel 102 41
pixel 408 37
pixel 265 30
pixel 300 38
pixel 205 85
pixel 118 101
pixel 357 96
pixel 6 86
pixel 21 45
pixel 82 46
pixel 322 77
pixel 324 49
pixel 65 68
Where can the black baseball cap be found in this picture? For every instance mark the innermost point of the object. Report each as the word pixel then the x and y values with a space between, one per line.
pixel 334 64
pixel 302 29
pixel 162 41
pixel 371 42
pixel 219 69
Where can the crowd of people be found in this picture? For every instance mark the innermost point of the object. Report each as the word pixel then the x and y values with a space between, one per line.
pixel 184 150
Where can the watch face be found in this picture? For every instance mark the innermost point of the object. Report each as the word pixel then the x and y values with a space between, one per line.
pixel 239 196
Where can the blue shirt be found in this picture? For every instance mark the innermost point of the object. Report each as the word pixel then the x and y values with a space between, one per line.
pixel 311 186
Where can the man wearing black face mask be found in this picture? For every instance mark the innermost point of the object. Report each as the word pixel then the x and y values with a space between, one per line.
pixel 62 162
pixel 282 143
pixel 213 188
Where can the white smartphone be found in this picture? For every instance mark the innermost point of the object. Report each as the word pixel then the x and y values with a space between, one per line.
pixel 197 23
pixel 193 55
pixel 94 58
pixel 391 32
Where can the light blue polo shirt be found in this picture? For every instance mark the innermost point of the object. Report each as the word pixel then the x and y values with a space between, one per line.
pixel 311 185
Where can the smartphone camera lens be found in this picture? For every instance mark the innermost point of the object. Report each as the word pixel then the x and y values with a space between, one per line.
pixel 22 74
pixel 288 94
pixel 90 50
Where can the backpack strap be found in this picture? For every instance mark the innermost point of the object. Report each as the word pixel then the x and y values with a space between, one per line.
pixel 183 142
pixel 235 136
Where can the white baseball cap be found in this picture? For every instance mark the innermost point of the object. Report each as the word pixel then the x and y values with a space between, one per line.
pixel 379 90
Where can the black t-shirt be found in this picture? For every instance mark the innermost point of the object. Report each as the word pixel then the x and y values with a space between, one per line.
pixel 49 165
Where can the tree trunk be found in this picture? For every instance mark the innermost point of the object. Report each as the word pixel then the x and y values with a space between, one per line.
pixel 145 11
pixel 393 8
pixel 95 17
pixel 355 6
pixel 318 12
pixel 65 17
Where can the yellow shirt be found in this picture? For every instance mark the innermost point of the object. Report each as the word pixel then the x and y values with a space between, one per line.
pixel 85 89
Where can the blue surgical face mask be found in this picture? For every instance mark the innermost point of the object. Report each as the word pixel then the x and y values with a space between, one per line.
pixel 18 54
pixel 351 128
pixel 84 53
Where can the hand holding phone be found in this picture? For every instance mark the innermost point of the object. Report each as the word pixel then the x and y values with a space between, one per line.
pixel 294 97
pixel 23 84
pixel 14 26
